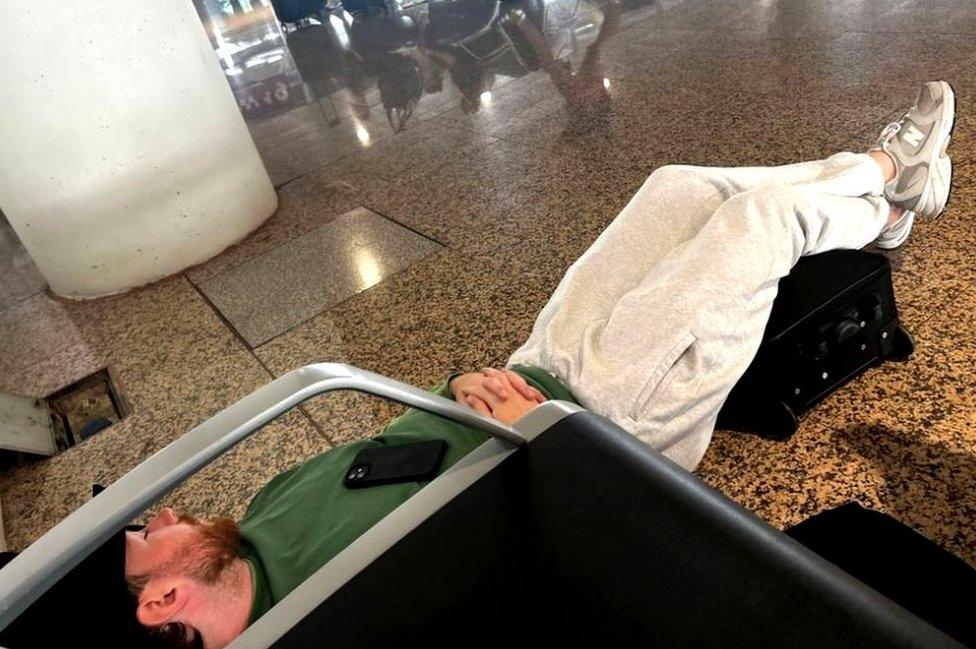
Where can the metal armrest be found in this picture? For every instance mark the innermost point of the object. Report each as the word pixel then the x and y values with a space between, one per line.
pixel 59 550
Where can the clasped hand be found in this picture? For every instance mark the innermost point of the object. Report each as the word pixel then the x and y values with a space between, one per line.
pixel 500 394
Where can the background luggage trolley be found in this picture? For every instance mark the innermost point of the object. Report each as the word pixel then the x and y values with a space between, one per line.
pixel 562 529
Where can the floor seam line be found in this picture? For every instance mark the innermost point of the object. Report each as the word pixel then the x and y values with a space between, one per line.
pixel 252 352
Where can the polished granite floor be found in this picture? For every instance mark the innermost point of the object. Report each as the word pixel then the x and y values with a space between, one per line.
pixel 422 226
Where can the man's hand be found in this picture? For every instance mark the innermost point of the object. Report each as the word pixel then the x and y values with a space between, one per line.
pixel 499 394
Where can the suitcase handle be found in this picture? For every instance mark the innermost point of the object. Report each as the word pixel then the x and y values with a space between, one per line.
pixel 55 553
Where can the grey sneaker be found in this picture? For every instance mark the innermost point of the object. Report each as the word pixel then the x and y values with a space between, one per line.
pixel 917 143
pixel 897 233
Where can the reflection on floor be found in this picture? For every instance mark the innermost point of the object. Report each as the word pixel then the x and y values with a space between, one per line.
pixel 268 295
pixel 485 171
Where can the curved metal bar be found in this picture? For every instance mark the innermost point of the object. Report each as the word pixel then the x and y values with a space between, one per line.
pixel 50 557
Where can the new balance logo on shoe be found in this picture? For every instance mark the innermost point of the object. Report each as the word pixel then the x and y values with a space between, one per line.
pixel 914 136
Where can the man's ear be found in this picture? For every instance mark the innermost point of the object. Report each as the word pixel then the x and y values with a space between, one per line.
pixel 161 600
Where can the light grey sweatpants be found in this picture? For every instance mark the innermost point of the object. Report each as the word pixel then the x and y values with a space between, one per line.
pixel 659 318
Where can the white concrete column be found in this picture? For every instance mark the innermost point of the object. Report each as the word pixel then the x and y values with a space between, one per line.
pixel 123 155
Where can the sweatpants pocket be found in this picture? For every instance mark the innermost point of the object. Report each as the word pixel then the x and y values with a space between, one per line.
pixel 658 379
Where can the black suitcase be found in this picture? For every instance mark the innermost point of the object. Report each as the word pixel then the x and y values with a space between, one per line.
pixel 833 318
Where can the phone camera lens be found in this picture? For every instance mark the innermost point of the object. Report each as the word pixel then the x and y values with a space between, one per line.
pixel 357 472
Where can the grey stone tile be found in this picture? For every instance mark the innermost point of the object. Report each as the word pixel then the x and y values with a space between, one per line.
pixel 19 277
pixel 272 293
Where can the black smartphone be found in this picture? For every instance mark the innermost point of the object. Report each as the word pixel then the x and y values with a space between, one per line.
pixel 391 464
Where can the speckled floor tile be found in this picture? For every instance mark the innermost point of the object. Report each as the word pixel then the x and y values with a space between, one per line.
pixel 818 469
pixel 272 293
pixel 763 130
pixel 648 124
pixel 542 117
pixel 936 508
pixel 37 496
pixel 945 16
pixel 523 99
pixel 785 18
pixel 721 59
pixel 304 139
pixel 924 401
pixel 19 277
pixel 43 350
pixel 415 151
pixel 643 50
pixel 803 17
pixel 806 66
pixel 303 205
pixel 770 130
pixel 172 357
pixel 471 193
pixel 786 482
pixel 701 14
pixel 460 308
pixel 563 203
pixel 922 284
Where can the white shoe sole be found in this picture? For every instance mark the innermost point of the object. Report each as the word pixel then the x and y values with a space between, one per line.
pixel 906 229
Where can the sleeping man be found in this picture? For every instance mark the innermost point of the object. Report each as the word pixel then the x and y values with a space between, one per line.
pixel 651 327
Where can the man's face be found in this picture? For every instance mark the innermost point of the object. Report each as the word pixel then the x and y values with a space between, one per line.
pixel 157 543
pixel 171 561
